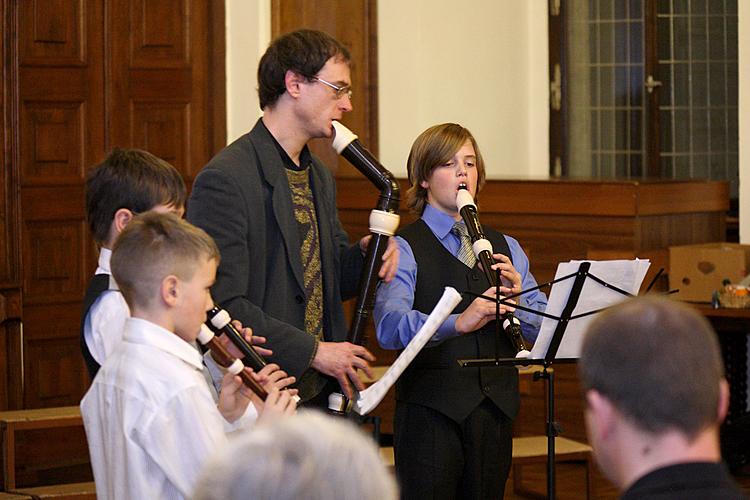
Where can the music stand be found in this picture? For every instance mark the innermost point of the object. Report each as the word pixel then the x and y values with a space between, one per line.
pixel 552 427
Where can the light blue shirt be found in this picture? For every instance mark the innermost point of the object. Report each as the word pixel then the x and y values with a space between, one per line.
pixel 396 322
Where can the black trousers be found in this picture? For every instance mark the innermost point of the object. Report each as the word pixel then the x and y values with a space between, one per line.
pixel 438 458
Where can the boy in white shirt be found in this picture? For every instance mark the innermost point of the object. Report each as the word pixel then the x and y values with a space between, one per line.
pixel 150 419
pixel 126 183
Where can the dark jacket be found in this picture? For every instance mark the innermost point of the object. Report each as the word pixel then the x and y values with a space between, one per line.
pixel 242 199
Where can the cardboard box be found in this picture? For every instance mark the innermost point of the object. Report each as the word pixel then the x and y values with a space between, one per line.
pixel 698 270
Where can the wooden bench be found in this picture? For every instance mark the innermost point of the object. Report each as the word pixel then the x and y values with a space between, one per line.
pixel 533 450
pixel 13 496
pixel 69 491
pixel 42 439
pixel 386 454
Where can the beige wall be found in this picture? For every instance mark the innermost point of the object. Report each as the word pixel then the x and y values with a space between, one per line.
pixel 248 32
pixel 485 67
pixel 481 63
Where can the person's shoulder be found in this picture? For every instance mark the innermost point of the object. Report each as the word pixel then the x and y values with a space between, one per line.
pixel 110 306
pixel 409 230
pixel 232 156
pixel 491 231
pixel 149 371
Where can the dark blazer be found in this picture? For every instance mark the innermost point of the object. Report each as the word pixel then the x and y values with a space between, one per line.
pixel 242 199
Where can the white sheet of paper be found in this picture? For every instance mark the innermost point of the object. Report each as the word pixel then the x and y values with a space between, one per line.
pixel 624 274
pixel 368 399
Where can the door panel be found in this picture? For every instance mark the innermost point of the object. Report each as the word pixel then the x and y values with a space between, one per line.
pixel 61 131
pixel 10 282
pixel 159 63
pixel 84 76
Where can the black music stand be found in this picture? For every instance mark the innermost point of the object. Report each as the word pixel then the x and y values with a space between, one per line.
pixel 552 427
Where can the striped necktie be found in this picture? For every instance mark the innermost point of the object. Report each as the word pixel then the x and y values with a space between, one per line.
pixel 465 252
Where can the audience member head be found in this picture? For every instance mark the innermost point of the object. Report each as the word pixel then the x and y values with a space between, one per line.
pixel 310 455
pixel 653 380
pixel 129 182
pixel 433 148
pixel 304 52
pixel 165 264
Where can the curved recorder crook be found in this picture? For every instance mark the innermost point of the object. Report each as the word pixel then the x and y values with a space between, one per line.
pixel 384 220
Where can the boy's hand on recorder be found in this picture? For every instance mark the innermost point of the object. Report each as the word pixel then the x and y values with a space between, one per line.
pixel 278 404
pixel 234 397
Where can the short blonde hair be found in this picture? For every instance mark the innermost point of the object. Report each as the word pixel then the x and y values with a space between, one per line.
pixel 432 148
pixel 153 246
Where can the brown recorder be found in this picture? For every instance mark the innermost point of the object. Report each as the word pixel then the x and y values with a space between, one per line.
pixel 220 354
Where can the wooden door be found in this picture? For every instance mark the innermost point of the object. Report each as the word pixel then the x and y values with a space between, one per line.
pixel 10 281
pixel 61 130
pixel 83 76
pixel 160 70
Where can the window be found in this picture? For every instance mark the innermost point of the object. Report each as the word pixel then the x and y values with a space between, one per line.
pixel 649 89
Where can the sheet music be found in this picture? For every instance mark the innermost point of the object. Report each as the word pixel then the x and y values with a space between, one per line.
pixel 368 399
pixel 624 274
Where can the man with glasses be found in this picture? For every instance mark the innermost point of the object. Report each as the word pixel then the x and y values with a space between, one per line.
pixel 286 263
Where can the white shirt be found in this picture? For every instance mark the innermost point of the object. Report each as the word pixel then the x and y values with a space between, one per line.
pixel 102 328
pixel 105 323
pixel 150 420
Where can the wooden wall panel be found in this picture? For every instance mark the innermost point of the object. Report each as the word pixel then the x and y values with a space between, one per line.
pixel 61 125
pixel 54 373
pixel 576 218
pixel 9 283
pixel 52 141
pixel 164 130
pixel 7 256
pixel 160 60
pixel 569 404
pixel 160 34
pixel 11 349
pixel 80 77
pixel 53 259
pixel 53 32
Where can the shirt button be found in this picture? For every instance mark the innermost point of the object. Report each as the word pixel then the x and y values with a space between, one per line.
pixel 486 388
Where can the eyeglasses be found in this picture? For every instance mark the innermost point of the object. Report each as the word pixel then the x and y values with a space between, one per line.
pixel 341 91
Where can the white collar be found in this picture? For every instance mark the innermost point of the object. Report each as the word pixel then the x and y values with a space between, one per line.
pixel 141 331
pixel 105 255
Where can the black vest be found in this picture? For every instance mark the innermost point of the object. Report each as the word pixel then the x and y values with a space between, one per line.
pixel 97 286
pixel 434 378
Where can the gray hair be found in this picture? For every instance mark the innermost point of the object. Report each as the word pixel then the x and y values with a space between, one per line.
pixel 309 455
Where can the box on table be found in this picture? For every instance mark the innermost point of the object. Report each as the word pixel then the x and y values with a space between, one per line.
pixel 698 270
